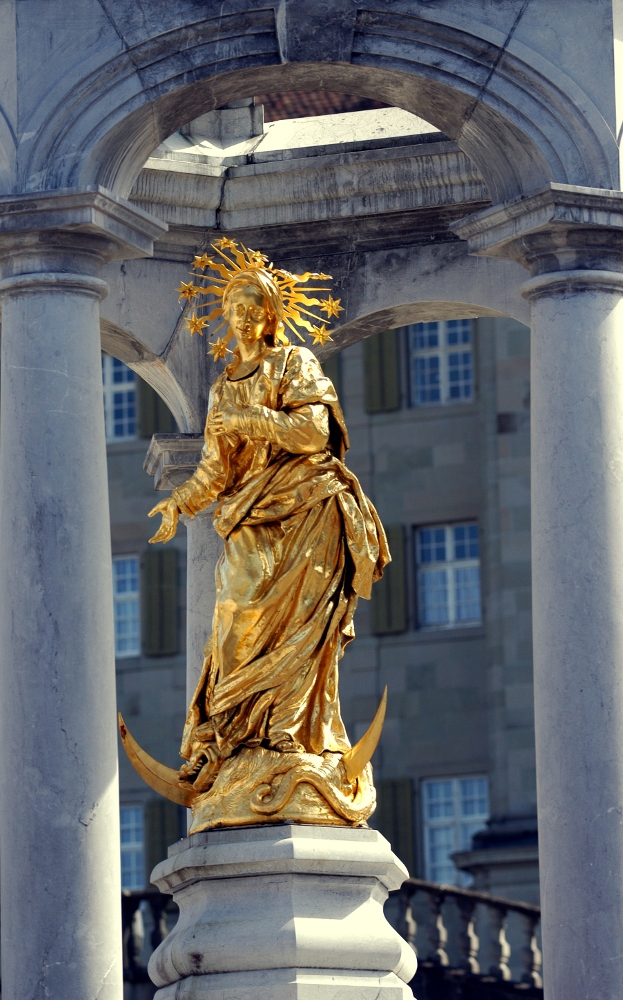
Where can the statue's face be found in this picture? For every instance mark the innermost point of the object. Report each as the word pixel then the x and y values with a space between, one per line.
pixel 248 316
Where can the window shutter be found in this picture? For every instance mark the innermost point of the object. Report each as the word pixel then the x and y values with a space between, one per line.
pixel 382 372
pixel 393 817
pixel 154 416
pixel 389 599
pixel 159 602
pixel 163 826
pixel 332 367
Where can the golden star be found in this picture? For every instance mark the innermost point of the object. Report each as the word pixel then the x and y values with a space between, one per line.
pixel 196 324
pixel 331 306
pixel 219 349
pixel 226 244
pixel 200 263
pixel 187 290
pixel 257 257
pixel 321 334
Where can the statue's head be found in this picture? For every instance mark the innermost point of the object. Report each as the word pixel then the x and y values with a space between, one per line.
pixel 253 307
pixel 254 298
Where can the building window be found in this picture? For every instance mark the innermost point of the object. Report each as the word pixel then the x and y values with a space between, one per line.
pixel 441 363
pixel 119 399
pixel 132 848
pixel 126 602
pixel 448 575
pixel 454 810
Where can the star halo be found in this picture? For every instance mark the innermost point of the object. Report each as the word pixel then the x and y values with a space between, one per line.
pixel 231 258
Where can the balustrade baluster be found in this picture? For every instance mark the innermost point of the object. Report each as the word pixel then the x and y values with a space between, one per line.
pixel 500 948
pixel 530 953
pixel 407 926
pixel 468 939
pixel 158 904
pixel 437 931
pixel 133 933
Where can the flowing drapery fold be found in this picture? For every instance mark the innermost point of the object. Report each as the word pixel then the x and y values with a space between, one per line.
pixel 302 543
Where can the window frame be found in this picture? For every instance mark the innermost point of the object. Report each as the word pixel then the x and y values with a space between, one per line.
pixel 431 869
pixel 443 350
pixel 133 849
pixel 127 386
pixel 450 565
pixel 135 598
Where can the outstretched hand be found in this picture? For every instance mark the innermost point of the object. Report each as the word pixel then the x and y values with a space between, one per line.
pixel 170 514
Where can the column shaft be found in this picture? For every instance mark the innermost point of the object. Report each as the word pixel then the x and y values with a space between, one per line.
pixel 577 551
pixel 204 549
pixel 61 920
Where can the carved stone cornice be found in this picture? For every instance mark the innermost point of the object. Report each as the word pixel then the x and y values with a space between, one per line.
pixel 72 230
pixel 562 227
pixel 172 458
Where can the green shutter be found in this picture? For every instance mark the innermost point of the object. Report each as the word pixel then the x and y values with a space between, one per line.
pixel 163 826
pixel 159 602
pixel 332 367
pixel 389 599
pixel 154 416
pixel 382 372
pixel 393 817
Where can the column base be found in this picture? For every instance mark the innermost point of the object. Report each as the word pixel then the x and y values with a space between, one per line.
pixel 289 984
pixel 282 912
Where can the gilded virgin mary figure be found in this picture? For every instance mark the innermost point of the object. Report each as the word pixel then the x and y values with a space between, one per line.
pixel 302 543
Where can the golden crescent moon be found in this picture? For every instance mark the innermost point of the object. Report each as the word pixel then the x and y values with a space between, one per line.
pixel 163 780
pixel 355 760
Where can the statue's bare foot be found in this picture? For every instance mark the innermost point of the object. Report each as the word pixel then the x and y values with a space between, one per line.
pixel 287 746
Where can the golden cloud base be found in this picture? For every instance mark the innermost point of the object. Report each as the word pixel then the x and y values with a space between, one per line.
pixel 258 785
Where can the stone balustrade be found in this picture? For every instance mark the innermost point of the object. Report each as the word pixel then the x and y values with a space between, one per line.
pixel 468 943
pixel 139 921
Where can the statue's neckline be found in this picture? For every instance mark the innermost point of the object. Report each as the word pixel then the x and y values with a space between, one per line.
pixel 243 377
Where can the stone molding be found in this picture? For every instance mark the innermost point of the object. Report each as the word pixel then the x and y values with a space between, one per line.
pixel 561 224
pixel 172 458
pixel 569 281
pixel 43 281
pixel 187 187
pixel 121 230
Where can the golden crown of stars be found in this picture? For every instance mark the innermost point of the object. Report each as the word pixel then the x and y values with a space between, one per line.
pixel 236 258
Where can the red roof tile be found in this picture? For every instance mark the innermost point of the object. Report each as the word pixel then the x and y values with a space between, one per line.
pixel 300 104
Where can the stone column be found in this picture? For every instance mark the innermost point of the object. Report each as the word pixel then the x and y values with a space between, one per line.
pixel 576 292
pixel 171 459
pixel 204 549
pixel 59 820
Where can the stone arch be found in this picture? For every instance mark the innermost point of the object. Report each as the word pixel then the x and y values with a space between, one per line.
pixel 519 118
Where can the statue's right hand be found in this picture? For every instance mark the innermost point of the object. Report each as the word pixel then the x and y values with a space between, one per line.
pixel 170 514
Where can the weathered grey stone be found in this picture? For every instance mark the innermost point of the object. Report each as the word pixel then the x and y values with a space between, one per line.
pixel 303 880
pixel 59 820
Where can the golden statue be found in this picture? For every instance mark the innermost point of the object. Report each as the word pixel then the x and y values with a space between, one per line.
pixel 264 740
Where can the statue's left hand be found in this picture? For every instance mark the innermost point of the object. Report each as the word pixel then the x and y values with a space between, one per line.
pixel 170 514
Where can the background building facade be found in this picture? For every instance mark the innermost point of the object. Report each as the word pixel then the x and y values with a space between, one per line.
pixel 438 415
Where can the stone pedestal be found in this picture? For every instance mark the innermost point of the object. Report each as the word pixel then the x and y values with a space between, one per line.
pixel 282 913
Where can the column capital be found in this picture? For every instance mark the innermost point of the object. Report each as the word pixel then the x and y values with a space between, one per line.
pixel 42 230
pixel 172 458
pixel 562 227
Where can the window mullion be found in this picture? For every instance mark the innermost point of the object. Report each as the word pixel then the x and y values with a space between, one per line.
pixel 450 577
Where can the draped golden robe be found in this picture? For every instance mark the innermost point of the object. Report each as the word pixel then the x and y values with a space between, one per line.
pixel 302 543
